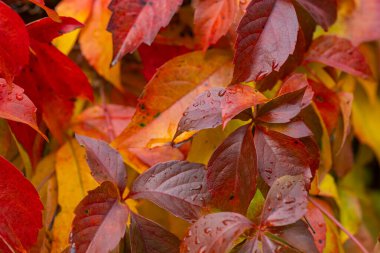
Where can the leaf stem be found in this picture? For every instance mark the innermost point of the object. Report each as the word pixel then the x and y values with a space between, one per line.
pixel 332 218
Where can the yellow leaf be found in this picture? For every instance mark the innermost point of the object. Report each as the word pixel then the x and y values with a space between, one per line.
pixel 74 181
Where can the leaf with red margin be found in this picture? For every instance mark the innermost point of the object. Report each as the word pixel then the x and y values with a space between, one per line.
pixel 177 186
pixel 232 172
pixel 213 19
pixel 106 164
pixel 20 212
pixel 215 232
pixel 324 12
pixel 267 35
pixel 14 43
pixel 317 222
pixel 100 220
pixel 279 155
pixel 218 106
pixel 148 236
pixel 286 201
pixel 134 22
pixel 338 53
pixel 16 106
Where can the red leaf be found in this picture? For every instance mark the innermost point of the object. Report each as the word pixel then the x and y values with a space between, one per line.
pixel 134 22
pixel 218 106
pixel 16 106
pixel 213 19
pixel 106 163
pixel 20 212
pixel 45 29
pixel 338 53
pixel 232 172
pixel 324 12
pixel 14 43
pixel 100 220
pixel 317 222
pixel 214 233
pixel 148 237
pixel 295 129
pixel 267 35
pixel 177 186
pixel 346 100
pixel 279 155
pixel 286 201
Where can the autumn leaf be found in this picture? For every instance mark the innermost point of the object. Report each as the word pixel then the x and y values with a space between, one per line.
pixel 323 12
pixel 51 13
pixel 232 172
pixel 212 19
pixel 148 236
pixel 257 53
pixel 20 213
pixel 134 22
pixel 100 220
pixel 214 233
pixel 14 45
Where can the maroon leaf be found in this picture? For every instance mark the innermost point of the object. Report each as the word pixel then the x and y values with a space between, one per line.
pixel 134 22
pixel 100 220
pixel 215 233
pixel 294 129
pixel 279 155
pixel 324 12
pixel 232 172
pixel 267 35
pixel 149 237
pixel 177 186
pixel 286 201
pixel 218 106
pixel 212 19
pixel 106 163
pixel 14 43
pixel 338 53
pixel 20 212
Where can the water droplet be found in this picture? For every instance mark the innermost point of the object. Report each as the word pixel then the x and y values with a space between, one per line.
pixel 289 200
pixel 207 230
pixel 270 208
pixel 196 103
pixel 208 93
pixel 279 196
pixel 197 241
pixel 197 188
pixel 185 114
pixel 19 96
pixel 268 170
pixel 187 121
pixel 288 184
pixel 320 224
pixel 226 222
pixel 202 250
pixel 189 233
pixel 221 93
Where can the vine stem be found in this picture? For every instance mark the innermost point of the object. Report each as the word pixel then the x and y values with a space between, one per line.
pixel 332 218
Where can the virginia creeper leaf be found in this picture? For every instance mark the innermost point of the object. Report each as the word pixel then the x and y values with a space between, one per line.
pixel 218 106
pixel 149 237
pixel 14 43
pixel 286 201
pixel 177 186
pixel 106 164
pixel 267 35
pixel 317 222
pixel 279 155
pixel 338 53
pixel 295 129
pixel 324 12
pixel 20 212
pixel 134 22
pixel 232 172
pixel 215 233
pixel 346 100
pixel 100 220
pixel 212 19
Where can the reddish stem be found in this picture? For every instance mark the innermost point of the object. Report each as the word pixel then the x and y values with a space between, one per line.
pixel 332 218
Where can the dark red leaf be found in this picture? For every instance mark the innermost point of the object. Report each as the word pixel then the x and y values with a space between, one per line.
pixel 212 19
pixel 20 212
pixel 149 237
pixel 324 12
pixel 279 155
pixel 286 201
pixel 100 220
pixel 45 29
pixel 317 222
pixel 134 22
pixel 106 163
pixel 338 53
pixel 177 186
pixel 232 172
pixel 267 35
pixel 14 43
pixel 295 129
pixel 214 233
pixel 218 106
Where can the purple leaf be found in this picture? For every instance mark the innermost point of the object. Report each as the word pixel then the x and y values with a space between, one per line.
pixel 324 12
